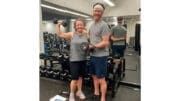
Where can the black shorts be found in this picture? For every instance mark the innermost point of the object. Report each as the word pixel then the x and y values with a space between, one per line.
pixel 118 50
pixel 77 69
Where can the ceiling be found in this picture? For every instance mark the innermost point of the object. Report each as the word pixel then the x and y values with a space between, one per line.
pixel 126 8
pixel 48 14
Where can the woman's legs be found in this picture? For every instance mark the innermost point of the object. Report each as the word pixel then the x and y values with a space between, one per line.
pixel 73 85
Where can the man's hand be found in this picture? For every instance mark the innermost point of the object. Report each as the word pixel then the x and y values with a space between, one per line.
pixel 91 46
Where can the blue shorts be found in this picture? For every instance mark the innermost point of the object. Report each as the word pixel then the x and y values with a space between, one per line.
pixel 118 50
pixel 98 66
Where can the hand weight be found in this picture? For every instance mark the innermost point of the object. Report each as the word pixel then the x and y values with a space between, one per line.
pixel 64 22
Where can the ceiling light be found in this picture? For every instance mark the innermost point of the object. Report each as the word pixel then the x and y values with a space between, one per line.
pixel 89 19
pixel 109 3
pixel 62 10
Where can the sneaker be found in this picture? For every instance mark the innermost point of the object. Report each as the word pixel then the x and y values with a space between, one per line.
pixel 96 97
pixel 71 97
pixel 80 95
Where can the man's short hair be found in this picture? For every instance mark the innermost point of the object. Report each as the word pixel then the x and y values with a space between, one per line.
pixel 100 5
pixel 120 18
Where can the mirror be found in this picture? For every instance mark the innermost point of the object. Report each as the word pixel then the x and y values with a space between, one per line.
pixel 55 76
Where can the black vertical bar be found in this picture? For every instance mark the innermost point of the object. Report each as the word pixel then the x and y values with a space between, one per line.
pixel 137 37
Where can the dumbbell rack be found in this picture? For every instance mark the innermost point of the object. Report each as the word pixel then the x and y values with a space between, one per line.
pixel 50 72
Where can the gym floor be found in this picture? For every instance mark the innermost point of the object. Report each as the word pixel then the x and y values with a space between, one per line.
pixel 50 87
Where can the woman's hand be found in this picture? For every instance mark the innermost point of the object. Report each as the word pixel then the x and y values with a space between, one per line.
pixel 59 23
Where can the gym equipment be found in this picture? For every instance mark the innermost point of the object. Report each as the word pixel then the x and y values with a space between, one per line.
pixel 49 73
pixel 64 22
pixel 137 38
pixel 52 44
pixel 130 84
pixel 123 67
pixel 64 75
pixel 56 74
pixel 85 46
pixel 113 75
pixel 43 68
pixel 68 77
pixel 42 71
pixel 119 62
pixel 87 80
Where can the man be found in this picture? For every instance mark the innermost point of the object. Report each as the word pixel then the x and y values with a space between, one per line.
pixel 99 33
pixel 118 37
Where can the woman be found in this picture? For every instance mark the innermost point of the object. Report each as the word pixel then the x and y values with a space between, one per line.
pixel 77 56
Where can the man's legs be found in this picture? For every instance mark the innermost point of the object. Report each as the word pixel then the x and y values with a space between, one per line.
pixel 92 71
pixel 122 64
pixel 122 51
pixel 96 85
pixel 103 86
pixel 101 73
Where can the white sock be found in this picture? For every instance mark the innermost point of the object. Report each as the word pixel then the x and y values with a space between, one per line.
pixel 79 91
pixel 71 94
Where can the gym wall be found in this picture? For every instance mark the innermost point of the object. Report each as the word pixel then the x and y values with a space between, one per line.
pixel 48 26
pixel 41 42
pixel 131 23
pixel 124 8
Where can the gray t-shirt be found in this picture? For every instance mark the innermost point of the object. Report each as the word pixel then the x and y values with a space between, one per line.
pixel 97 30
pixel 76 53
pixel 118 32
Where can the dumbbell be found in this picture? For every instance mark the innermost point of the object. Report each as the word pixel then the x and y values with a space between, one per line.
pixel 109 60
pixel 63 75
pixel 85 46
pixel 49 73
pixel 110 64
pixel 68 77
pixel 66 57
pixel 42 71
pixel 61 58
pixel 64 22
pixel 56 74
pixel 42 56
